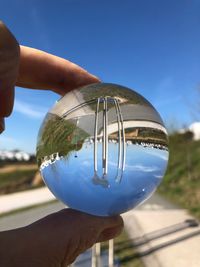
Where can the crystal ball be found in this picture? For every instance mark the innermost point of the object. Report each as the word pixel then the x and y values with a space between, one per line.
pixel 102 149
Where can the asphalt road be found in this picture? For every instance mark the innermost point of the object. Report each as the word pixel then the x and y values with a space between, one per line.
pixel 28 216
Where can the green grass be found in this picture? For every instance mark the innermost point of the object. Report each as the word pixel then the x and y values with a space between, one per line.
pixel 181 183
pixel 16 181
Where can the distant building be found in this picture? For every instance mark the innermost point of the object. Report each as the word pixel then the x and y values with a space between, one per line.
pixel 195 129
pixel 15 155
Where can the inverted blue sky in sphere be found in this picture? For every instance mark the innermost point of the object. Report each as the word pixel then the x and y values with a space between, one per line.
pixel 150 46
pixel 71 179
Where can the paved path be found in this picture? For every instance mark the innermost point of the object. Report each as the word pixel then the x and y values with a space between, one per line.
pixel 162 235
pixel 157 228
pixel 24 199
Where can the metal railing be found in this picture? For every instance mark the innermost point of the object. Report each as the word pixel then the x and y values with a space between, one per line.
pixel 96 259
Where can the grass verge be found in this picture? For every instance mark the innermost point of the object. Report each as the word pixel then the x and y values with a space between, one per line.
pixel 181 183
pixel 16 181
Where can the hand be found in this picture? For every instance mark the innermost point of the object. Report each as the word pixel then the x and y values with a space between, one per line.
pixel 56 240
pixel 32 68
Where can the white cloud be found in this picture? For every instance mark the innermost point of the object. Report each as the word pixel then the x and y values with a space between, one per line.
pixel 29 110
pixel 142 168
pixel 159 154
pixel 86 163
pixel 158 176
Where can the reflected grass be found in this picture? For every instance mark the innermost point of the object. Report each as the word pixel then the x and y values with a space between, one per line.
pixel 58 135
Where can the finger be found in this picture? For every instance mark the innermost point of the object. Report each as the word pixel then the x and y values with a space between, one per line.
pixel 2 125
pixel 41 70
pixel 6 101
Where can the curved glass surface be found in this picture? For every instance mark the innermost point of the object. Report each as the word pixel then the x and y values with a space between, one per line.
pixel 102 149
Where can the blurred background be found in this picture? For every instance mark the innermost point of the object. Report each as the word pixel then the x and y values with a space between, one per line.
pixel 152 47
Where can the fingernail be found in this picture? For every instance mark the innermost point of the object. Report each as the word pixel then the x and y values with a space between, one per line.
pixel 2 125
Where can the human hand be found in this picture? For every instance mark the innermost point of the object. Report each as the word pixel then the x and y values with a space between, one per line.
pixel 56 240
pixel 32 68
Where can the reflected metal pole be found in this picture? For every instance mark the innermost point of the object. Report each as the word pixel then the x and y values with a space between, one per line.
pixel 95 139
pixel 123 136
pixel 119 140
pixel 96 179
pixel 122 142
pixel 105 139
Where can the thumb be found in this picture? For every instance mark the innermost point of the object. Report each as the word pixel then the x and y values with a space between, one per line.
pixel 112 227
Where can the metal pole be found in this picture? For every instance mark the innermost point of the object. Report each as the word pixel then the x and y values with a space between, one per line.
pixel 96 255
pixel 94 258
pixel 111 253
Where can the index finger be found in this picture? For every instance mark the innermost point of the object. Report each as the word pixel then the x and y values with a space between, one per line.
pixel 9 58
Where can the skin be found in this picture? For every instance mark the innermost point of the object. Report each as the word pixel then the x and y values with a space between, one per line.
pixel 56 240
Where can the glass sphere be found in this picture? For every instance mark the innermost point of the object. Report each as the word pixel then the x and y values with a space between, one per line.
pixel 102 149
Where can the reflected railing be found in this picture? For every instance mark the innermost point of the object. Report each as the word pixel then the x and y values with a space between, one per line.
pixel 104 101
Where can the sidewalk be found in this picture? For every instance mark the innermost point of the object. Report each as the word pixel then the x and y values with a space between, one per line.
pixel 24 199
pixel 166 240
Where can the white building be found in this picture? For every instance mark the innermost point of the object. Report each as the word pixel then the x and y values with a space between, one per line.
pixel 195 129
pixel 14 155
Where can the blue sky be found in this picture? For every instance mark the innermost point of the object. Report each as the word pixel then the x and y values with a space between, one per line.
pixel 150 46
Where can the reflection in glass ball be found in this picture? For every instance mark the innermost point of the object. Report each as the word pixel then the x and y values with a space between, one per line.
pixel 102 149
